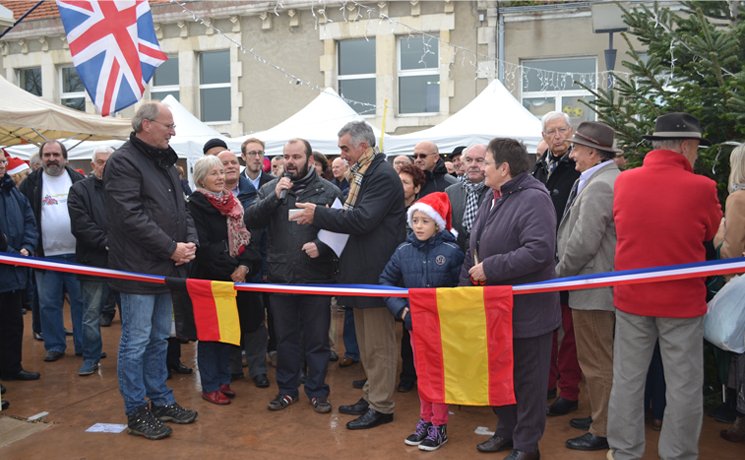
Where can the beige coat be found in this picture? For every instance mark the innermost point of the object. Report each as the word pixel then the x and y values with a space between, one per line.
pixel 587 239
pixel 734 226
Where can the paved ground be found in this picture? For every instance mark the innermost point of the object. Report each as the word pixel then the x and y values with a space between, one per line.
pixel 246 428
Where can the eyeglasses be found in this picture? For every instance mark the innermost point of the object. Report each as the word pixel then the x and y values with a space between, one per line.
pixel 255 153
pixel 423 155
pixel 551 132
pixel 167 126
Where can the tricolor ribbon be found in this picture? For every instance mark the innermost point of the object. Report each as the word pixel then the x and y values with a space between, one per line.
pixel 572 283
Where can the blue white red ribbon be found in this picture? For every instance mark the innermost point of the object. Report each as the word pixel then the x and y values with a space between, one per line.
pixel 637 276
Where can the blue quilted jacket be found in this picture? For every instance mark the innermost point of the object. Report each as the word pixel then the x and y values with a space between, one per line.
pixel 422 264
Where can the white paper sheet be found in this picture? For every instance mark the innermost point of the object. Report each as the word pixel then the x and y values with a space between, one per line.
pixel 336 241
pixel 106 428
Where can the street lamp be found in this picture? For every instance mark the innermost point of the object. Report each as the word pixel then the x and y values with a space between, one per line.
pixel 607 17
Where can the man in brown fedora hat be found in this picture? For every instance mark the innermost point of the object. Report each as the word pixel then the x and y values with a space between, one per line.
pixel 586 244
pixel 663 214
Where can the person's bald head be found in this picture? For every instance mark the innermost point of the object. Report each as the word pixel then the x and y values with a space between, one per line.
pixel 232 168
pixel 339 168
pixel 426 155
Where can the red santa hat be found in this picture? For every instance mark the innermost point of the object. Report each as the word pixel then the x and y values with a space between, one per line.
pixel 16 165
pixel 436 206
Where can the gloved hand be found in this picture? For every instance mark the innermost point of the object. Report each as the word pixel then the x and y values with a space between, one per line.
pixel 407 321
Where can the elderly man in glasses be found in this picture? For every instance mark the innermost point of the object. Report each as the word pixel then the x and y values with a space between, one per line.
pixel 427 158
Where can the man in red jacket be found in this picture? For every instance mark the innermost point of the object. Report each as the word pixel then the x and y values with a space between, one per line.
pixel 663 214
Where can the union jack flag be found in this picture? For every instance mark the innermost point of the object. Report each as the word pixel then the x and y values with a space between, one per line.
pixel 113 47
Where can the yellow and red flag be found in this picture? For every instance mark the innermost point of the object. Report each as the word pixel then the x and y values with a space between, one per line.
pixel 215 310
pixel 462 341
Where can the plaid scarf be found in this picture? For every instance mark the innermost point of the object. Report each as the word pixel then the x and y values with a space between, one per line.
pixel 358 173
pixel 231 208
pixel 473 191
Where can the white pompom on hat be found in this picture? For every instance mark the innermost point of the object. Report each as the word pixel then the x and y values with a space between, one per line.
pixel 437 206
pixel 16 165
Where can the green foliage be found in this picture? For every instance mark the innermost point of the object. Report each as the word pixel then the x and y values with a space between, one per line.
pixel 691 60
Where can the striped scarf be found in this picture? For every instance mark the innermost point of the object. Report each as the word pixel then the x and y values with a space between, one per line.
pixel 358 173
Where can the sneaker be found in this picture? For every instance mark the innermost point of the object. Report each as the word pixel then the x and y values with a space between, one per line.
pixel 281 402
pixel 320 404
pixel 144 423
pixel 420 432
pixel 88 368
pixel 174 413
pixel 437 436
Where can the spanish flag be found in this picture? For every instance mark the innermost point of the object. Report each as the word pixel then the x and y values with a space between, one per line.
pixel 462 341
pixel 215 310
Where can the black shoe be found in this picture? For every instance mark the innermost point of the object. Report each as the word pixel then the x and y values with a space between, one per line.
pixel 358 408
pixel 38 336
pixel 105 320
pixel 588 441
pixel 419 434
pixel 281 402
pixel 53 356
pixel 180 368
pixel 174 413
pixel 23 375
pixel 562 407
pixel 724 413
pixel 369 419
pixel 320 404
pixel 5 405
pixel 494 444
pixel 261 381
pixel 359 383
pixel 521 455
pixel 333 356
pixel 405 387
pixel 144 423
pixel 551 394
pixel 582 423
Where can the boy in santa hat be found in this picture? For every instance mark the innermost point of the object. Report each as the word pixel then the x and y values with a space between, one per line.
pixel 430 257
pixel 18 169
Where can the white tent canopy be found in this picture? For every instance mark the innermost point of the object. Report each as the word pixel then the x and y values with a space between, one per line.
pixel 25 118
pixel 493 113
pixel 318 123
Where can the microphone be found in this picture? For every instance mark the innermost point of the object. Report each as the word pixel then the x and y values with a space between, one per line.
pixel 283 193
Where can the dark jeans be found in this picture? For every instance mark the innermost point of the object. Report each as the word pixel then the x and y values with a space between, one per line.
pixel 214 364
pixel 408 373
pixel 11 333
pixel 301 326
pixel 654 390
pixel 351 349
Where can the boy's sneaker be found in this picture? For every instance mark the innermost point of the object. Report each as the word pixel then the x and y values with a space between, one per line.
pixel 144 423
pixel 88 368
pixel 420 432
pixel 174 413
pixel 320 404
pixel 280 402
pixel 437 436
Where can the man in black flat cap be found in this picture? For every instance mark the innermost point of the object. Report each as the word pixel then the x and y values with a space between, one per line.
pixel 214 146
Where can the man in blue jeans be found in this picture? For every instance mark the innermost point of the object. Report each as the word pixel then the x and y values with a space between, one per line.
pixel 47 190
pixel 151 232
pixel 88 219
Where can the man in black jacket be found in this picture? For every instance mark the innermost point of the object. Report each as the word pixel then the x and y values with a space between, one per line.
pixel 47 190
pixel 88 219
pixel 296 255
pixel 151 232
pixel 427 158
pixel 556 171
pixel 374 218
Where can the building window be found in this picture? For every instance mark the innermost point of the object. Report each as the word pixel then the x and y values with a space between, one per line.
pixel 418 74
pixel 357 74
pixel 165 80
pixel 30 80
pixel 214 86
pixel 554 84
pixel 73 91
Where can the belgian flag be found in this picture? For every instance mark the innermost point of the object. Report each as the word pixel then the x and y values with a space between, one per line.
pixel 462 341
pixel 214 308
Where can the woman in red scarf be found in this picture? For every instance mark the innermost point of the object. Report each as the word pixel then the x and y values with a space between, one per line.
pixel 224 254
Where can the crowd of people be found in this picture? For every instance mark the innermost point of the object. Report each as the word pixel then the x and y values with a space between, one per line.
pixel 486 216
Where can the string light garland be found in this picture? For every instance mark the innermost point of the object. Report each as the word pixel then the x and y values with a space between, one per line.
pixel 549 80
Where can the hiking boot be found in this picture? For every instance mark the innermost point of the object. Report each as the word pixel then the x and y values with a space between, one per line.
pixel 143 423
pixel 280 402
pixel 420 432
pixel 320 404
pixel 174 413
pixel 437 436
